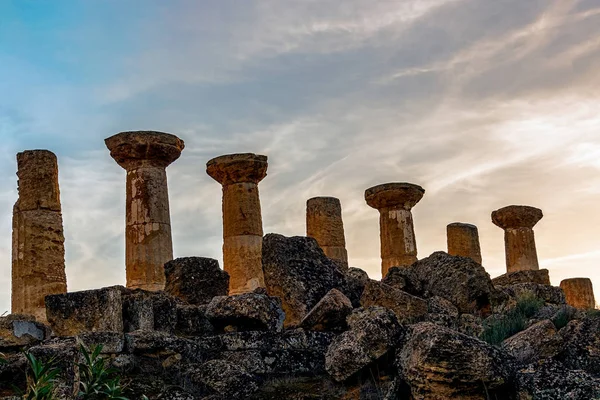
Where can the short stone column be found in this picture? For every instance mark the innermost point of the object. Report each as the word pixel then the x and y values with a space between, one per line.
pixel 148 244
pixel 519 240
pixel 38 252
pixel 463 240
pixel 324 224
pixel 239 175
pixel 394 202
pixel 579 292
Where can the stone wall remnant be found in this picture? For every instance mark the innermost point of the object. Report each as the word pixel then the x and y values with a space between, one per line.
pixel 239 174
pixel 519 239
pixel 394 202
pixel 38 252
pixel 145 156
pixel 324 224
pixel 463 240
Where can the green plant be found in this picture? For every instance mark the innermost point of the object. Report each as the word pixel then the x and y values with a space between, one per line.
pixel 562 317
pixel 40 378
pixel 513 322
pixel 97 380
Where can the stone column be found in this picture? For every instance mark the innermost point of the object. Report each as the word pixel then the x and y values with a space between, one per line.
pixel 463 240
pixel 519 240
pixel 242 219
pixel 394 202
pixel 324 224
pixel 38 252
pixel 579 292
pixel 148 244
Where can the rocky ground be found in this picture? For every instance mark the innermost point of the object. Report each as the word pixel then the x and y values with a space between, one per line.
pixel 440 329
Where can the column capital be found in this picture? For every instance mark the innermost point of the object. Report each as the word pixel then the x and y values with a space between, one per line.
pixel 517 217
pixel 397 195
pixel 237 168
pixel 144 148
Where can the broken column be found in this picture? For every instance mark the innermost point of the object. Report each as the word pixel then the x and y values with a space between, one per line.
pixel 324 224
pixel 239 175
pixel 519 239
pixel 148 244
pixel 463 240
pixel 579 292
pixel 38 252
pixel 394 202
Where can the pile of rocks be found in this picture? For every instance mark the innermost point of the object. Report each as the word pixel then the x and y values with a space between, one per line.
pixel 318 331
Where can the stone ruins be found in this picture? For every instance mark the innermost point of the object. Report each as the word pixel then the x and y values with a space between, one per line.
pixel 324 224
pixel 287 317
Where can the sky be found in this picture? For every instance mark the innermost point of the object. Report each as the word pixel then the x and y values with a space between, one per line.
pixel 484 104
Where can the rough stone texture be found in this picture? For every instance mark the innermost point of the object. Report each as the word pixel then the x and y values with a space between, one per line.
pixel 550 294
pixel 581 348
pixel 439 363
pixel 21 330
pixel 408 308
pixel 195 280
pixel 579 292
pixel 324 224
pixel 539 276
pixel 373 332
pixel 148 310
pixel 192 321
pixel 297 271
pixel 239 174
pixel 228 380
pixel 356 279
pixel 246 312
pixel 145 156
pixel 538 341
pixel 65 355
pixel 111 342
pixel 459 280
pixel 550 380
pixel 394 202
pixel 38 253
pixel 403 279
pixel 463 240
pixel 519 239
pixel 329 314
pixel 99 310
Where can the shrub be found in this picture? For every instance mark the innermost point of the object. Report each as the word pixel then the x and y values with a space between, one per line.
pixel 97 380
pixel 513 322
pixel 40 378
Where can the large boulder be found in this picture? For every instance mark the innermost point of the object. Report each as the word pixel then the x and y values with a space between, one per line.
pixel 550 294
pixel 439 363
pixel 538 341
pixel 195 280
pixel 329 314
pixel 550 380
pixel 21 330
pixel 539 276
pixel 459 280
pixel 148 310
pixel 246 312
pixel 297 271
pixel 408 308
pixel 581 348
pixel 87 311
pixel 192 321
pixel 374 331
pixel 356 279
pixel 225 379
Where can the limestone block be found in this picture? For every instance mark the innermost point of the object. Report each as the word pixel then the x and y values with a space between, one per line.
pixel 195 280
pixel 579 292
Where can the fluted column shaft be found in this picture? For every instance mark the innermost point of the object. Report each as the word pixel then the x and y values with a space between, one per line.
pixel 324 224
pixel 579 292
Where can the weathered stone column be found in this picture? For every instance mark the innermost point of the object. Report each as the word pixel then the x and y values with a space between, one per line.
pixel 148 244
pixel 394 202
pixel 324 224
pixel 463 240
pixel 38 252
pixel 579 292
pixel 242 220
pixel 519 240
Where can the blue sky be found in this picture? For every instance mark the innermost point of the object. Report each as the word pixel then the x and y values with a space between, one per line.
pixel 482 103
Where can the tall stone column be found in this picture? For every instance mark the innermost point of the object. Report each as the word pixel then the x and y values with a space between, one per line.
pixel 394 202
pixel 519 239
pixel 242 220
pixel 324 224
pixel 38 252
pixel 579 292
pixel 463 240
pixel 145 156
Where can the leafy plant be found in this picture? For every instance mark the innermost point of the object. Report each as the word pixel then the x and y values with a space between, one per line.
pixel 40 378
pixel 97 380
